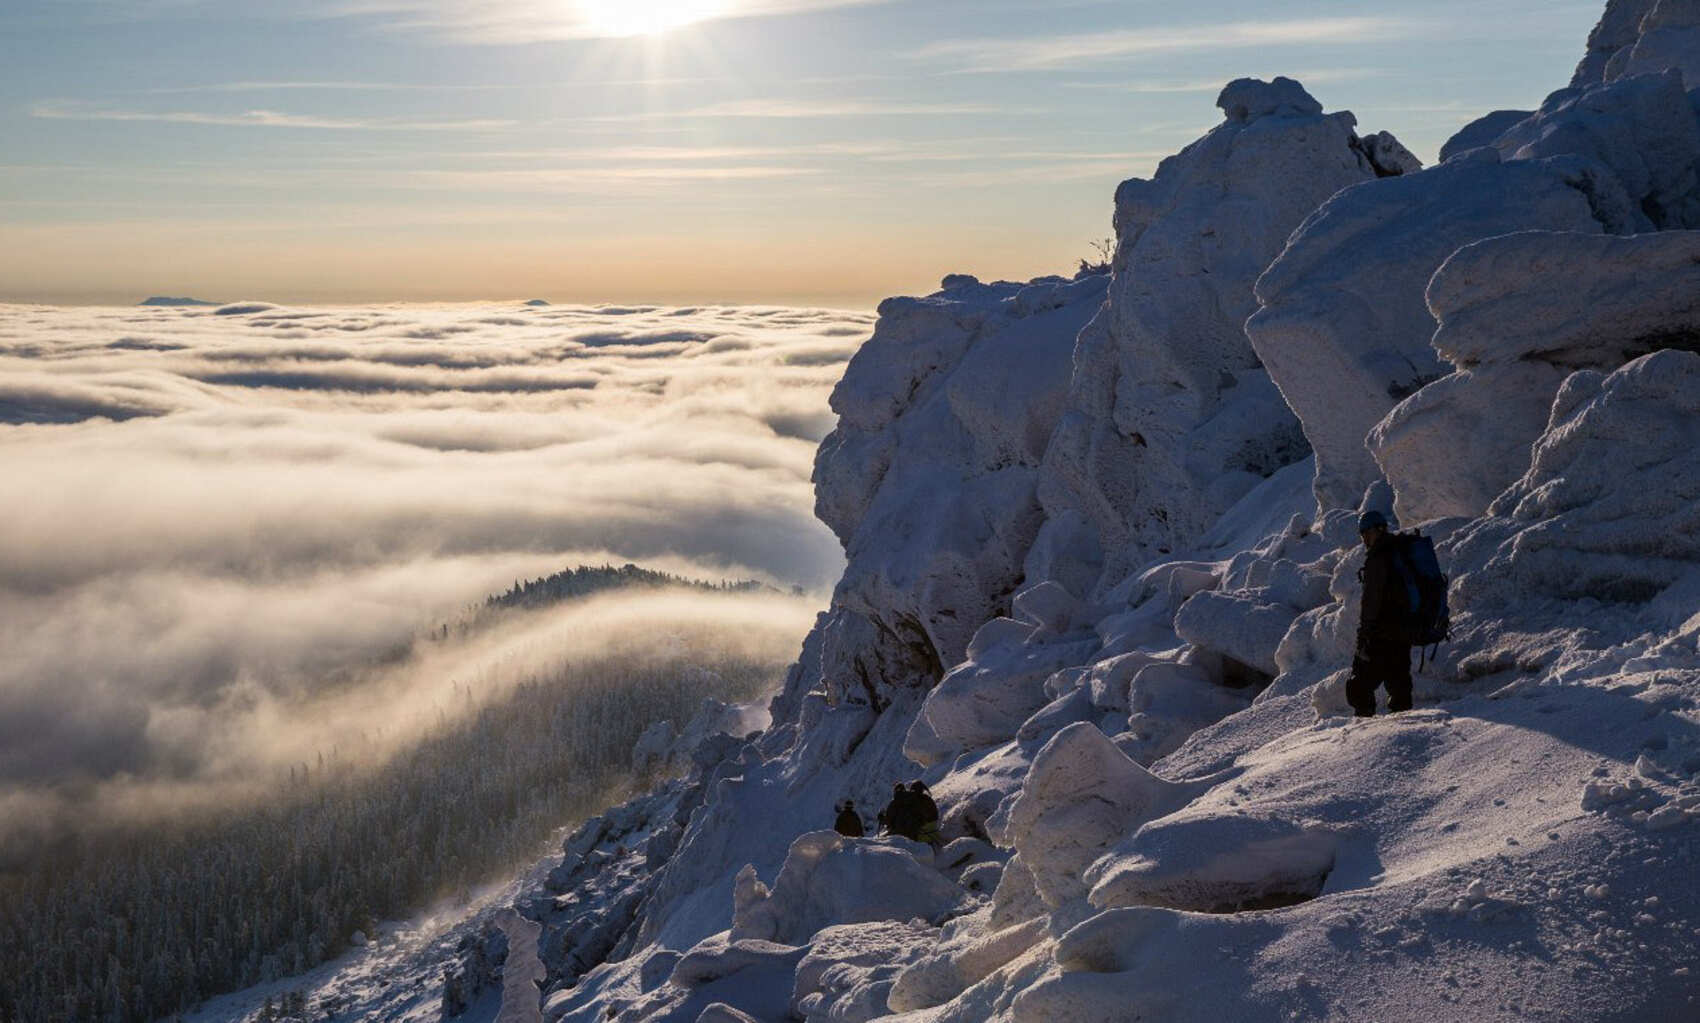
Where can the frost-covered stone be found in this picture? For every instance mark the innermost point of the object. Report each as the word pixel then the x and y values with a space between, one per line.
pixel 1167 702
pixel 1170 418
pixel 1517 314
pixel 1236 625
pixel 850 968
pixel 1483 131
pixel 1081 795
pixel 1668 36
pixel 1643 128
pixel 1344 328
pixel 1605 509
pixel 829 879
pixel 1616 33
pixel 960 962
pixel 1215 863
pixel 1047 604
pixel 944 414
pixel 984 702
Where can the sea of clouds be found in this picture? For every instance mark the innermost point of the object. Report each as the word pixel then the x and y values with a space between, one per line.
pixel 218 519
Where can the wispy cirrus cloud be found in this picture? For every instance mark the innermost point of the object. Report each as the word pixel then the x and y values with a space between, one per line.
pixel 532 21
pixel 323 86
pixel 800 109
pixel 1048 53
pixel 1308 77
pixel 75 110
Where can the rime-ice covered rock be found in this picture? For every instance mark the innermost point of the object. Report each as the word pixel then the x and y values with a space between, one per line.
pixel 1643 128
pixel 1236 625
pixel 1170 419
pixel 1606 509
pixel 1047 604
pixel 1343 327
pixel 944 414
pixel 1167 702
pixel 1082 794
pixel 984 702
pixel 1215 863
pixel 1483 131
pixel 960 961
pixel 1668 36
pixel 1615 33
pixel 1517 314
pixel 829 879
pixel 651 748
pixel 850 968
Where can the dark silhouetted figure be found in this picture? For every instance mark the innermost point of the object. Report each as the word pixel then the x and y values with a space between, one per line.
pixel 849 822
pixel 902 815
pixel 1383 656
pixel 927 812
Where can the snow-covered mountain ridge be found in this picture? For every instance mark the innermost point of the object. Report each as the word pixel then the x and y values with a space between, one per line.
pixel 1102 589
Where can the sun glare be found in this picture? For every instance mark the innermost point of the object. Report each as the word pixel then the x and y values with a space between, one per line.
pixel 646 17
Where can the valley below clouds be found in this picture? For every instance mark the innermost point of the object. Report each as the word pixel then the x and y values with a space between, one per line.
pixel 228 528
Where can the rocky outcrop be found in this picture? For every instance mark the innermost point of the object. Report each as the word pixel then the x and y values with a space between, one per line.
pixel 1517 315
pixel 1606 511
pixel 1343 327
pixel 1643 128
pixel 930 478
pixel 1170 418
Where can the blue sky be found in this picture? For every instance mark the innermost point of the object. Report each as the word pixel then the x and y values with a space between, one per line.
pixel 773 150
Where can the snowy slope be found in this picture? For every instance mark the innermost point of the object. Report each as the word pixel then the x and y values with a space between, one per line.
pixel 1103 606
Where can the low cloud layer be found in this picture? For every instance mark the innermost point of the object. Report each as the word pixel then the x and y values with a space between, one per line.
pixel 223 523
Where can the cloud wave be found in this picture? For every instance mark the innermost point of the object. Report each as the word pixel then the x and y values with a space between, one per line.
pixel 220 518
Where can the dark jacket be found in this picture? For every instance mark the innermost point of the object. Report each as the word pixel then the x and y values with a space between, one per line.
pixel 849 822
pixel 1385 611
pixel 903 815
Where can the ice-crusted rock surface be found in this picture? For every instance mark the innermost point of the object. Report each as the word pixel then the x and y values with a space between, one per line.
pixel 1343 327
pixel 1170 418
pixel 1608 507
pixel 1518 314
pixel 1102 592
pixel 930 478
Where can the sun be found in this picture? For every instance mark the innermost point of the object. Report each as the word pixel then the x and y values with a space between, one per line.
pixel 645 17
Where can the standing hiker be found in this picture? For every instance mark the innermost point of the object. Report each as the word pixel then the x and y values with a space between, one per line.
pixel 1383 657
pixel 849 822
pixel 926 812
pixel 902 815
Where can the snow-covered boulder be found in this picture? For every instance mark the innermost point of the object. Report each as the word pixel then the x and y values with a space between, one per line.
pixel 829 879
pixel 929 479
pixel 1236 625
pixel 1081 796
pixel 1483 131
pixel 1667 36
pixel 850 969
pixel 1517 314
pixel 1344 328
pixel 985 701
pixel 1642 127
pixel 1170 418
pixel 1606 509
pixel 1615 33
pixel 1168 702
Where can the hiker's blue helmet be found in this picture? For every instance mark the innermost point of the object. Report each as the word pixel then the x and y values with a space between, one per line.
pixel 1371 519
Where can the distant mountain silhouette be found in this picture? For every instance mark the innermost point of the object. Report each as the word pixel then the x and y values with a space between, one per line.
pixel 537 301
pixel 167 300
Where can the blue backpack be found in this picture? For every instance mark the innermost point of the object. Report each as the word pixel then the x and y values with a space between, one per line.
pixel 1429 620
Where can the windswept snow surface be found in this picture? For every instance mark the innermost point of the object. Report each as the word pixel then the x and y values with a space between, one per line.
pixel 1117 654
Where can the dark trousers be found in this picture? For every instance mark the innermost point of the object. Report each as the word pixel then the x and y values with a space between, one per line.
pixel 1380 663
